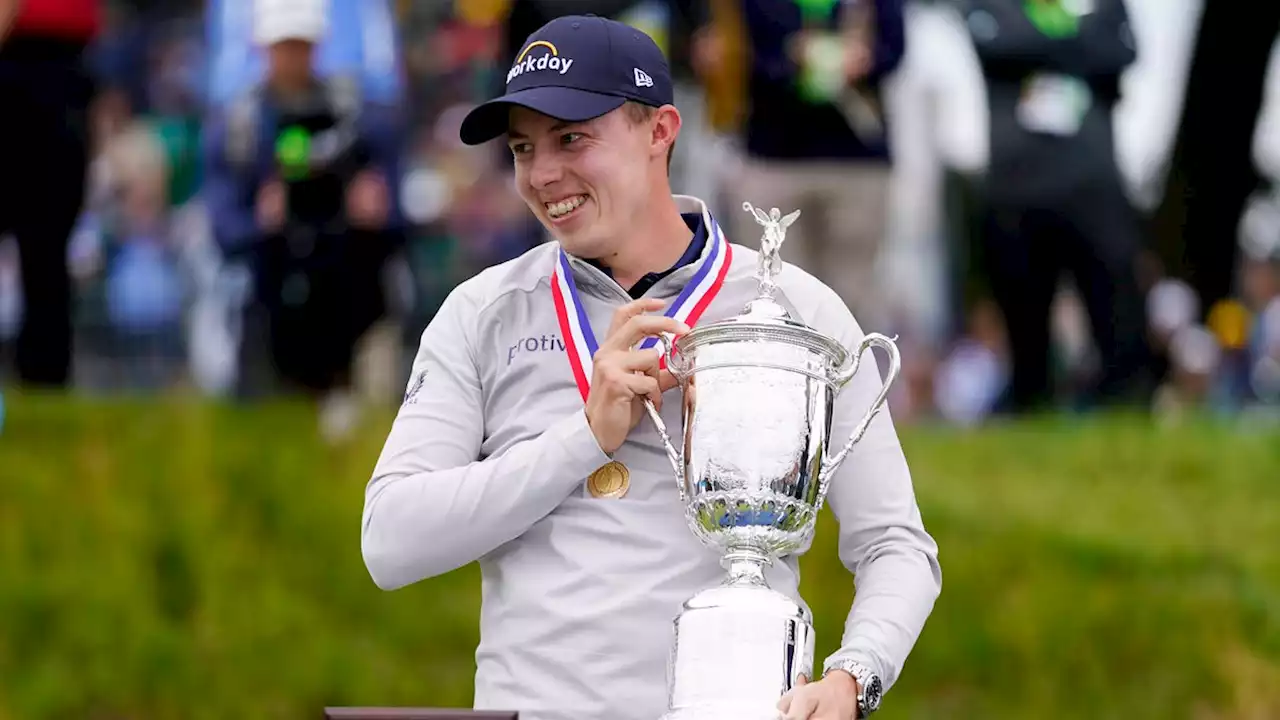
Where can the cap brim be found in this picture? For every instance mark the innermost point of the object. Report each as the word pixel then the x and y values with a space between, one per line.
pixel 489 120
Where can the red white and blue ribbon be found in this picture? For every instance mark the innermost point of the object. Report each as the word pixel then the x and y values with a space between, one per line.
pixel 580 343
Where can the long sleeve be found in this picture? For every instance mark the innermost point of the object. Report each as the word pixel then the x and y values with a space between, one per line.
pixel 433 504
pixel 1153 94
pixel 1266 135
pixel 227 193
pixel 882 539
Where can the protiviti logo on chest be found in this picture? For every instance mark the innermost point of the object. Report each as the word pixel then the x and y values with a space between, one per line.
pixel 550 60
pixel 535 344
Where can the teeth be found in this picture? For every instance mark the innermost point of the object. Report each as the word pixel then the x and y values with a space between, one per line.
pixel 564 207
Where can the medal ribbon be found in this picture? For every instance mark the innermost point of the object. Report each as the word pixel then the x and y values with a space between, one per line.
pixel 580 343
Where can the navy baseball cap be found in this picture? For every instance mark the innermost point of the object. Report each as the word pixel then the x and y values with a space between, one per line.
pixel 576 68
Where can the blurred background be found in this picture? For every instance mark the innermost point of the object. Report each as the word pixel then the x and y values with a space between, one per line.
pixel 225 224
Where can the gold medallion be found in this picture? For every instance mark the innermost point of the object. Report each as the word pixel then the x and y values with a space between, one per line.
pixel 611 480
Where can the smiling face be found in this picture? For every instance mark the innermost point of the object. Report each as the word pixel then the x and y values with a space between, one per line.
pixel 590 183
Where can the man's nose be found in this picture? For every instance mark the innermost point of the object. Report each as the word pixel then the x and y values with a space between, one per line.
pixel 546 170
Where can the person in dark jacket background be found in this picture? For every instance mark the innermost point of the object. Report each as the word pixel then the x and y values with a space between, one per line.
pixel 814 135
pixel 1055 197
pixel 44 139
pixel 300 178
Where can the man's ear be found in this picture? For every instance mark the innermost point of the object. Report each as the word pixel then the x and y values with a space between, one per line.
pixel 666 127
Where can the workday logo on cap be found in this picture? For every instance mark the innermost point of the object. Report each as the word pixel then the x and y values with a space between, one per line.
pixel 526 61
pixel 619 64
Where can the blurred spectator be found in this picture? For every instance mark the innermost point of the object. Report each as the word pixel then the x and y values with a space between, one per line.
pixel 814 135
pixel 1171 306
pixel 44 136
pixel 362 44
pixel 144 290
pixel 1260 295
pixel 1055 196
pixel 1194 358
pixel 972 378
pixel 936 103
pixel 302 172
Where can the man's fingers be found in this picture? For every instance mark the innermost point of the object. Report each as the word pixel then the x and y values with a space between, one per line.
pixel 642 385
pixel 802 706
pixel 636 360
pixel 784 703
pixel 630 310
pixel 643 326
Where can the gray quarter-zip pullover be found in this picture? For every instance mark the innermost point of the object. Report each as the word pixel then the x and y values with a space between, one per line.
pixel 487 461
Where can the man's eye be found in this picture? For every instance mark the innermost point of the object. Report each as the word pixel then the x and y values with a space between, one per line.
pixel 569 138
pixel 520 148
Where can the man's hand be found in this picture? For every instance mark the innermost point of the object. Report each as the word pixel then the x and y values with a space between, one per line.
pixel 368 200
pixel 622 377
pixel 857 62
pixel 835 697
pixel 270 207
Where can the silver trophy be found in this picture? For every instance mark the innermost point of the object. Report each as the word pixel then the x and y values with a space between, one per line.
pixel 753 473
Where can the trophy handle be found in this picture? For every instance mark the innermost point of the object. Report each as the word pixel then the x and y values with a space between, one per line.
pixel 832 462
pixel 667 348
pixel 677 463
pixel 670 356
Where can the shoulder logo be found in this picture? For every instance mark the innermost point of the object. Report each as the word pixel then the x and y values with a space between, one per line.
pixel 411 394
pixel 642 78
pixel 527 61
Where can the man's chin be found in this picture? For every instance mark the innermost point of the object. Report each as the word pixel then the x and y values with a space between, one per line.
pixel 578 241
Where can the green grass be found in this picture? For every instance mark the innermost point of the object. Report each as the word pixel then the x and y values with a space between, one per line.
pixel 186 560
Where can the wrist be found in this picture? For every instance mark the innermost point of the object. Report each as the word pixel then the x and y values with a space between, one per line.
pixel 606 447
pixel 866 685
pixel 847 684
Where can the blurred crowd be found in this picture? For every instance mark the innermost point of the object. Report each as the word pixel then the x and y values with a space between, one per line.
pixel 252 197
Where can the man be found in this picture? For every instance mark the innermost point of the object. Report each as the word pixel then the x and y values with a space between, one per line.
pixel 1056 196
pixel 44 147
pixel 815 136
pixel 491 455
pixel 300 176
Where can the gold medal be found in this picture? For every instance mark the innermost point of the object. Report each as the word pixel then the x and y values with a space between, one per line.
pixel 611 480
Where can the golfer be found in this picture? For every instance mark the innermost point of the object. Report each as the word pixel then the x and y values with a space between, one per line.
pixel 520 443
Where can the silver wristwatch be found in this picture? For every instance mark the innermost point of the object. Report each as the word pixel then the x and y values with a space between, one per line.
pixel 869 686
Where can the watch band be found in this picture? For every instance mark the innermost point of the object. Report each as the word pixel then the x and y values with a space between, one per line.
pixel 870 688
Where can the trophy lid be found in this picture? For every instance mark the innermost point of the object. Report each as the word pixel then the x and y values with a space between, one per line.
pixel 763 318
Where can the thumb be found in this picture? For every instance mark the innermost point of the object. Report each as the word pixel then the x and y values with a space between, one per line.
pixel 784 703
pixel 802 680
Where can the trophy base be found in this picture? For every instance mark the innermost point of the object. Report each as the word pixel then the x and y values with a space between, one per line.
pixel 738 648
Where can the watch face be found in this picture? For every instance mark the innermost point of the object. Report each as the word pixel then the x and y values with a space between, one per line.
pixel 871 693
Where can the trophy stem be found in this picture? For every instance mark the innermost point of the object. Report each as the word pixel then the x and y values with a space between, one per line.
pixel 746 566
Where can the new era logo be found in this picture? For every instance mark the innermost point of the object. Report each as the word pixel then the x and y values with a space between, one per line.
pixel 643 79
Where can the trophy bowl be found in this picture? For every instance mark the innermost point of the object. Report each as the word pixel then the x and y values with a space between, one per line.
pixel 756 417
pixel 753 467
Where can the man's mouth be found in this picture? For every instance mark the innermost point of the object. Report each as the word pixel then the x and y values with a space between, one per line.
pixel 563 208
